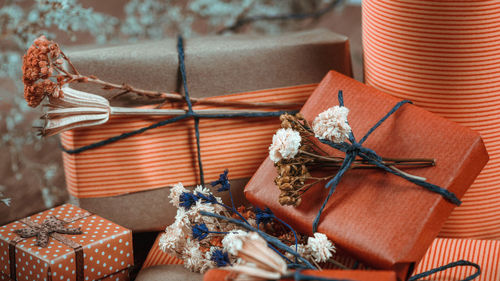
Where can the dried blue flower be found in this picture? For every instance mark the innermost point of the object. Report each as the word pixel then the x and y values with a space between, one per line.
pixel 264 216
pixel 200 231
pixel 207 198
pixel 187 200
pixel 223 181
pixel 220 258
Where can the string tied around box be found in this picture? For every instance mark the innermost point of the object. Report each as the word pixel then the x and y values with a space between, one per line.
pixel 354 149
pixel 189 113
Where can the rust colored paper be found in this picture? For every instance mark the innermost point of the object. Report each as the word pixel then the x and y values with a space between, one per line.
pixel 106 249
pixel 136 171
pixel 377 217
pixel 354 275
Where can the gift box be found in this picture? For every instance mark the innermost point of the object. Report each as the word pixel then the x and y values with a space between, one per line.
pixel 354 275
pixel 136 171
pixel 65 243
pixel 450 69
pixel 377 217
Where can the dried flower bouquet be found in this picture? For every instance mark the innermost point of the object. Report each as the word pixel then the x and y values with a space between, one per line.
pixel 296 151
pixel 207 234
pixel 48 72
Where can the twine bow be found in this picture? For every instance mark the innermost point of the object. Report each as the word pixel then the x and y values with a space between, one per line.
pixel 353 149
pixel 43 231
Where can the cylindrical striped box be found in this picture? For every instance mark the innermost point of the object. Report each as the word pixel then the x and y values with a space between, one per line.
pixel 445 56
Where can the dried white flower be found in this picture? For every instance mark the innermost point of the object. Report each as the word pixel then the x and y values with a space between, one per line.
pixel 232 241
pixel 193 257
pixel 171 238
pixel 203 190
pixel 286 143
pixel 175 192
pixel 320 247
pixel 332 124
pixel 302 250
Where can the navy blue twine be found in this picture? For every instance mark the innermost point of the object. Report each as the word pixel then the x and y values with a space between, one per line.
pixel 450 265
pixel 189 114
pixel 354 149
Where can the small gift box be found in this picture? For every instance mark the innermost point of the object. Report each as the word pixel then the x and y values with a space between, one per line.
pixel 352 275
pixel 286 68
pixel 379 218
pixel 65 243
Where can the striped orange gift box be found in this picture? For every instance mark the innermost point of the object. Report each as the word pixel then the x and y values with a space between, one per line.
pixel 165 156
pixel 445 56
pixel 485 253
pixel 137 171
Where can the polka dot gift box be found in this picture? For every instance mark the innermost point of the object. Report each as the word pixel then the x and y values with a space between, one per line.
pixel 65 243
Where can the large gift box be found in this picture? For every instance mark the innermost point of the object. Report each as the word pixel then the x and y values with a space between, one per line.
pixel 65 243
pixel 380 218
pixel 136 171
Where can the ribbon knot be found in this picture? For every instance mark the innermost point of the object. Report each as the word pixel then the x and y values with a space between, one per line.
pixel 43 231
pixel 354 149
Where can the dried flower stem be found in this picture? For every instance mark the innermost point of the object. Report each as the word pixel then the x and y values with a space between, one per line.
pixel 126 88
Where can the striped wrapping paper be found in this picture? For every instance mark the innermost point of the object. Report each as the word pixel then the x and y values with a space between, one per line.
pixel 486 253
pixel 445 56
pixel 166 155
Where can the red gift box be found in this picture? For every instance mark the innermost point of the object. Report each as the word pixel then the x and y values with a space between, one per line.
pixel 380 218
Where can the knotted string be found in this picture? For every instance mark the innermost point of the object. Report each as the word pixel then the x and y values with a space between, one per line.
pixel 43 231
pixel 353 149
pixel 190 113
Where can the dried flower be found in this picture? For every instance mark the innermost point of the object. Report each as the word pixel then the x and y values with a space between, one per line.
pixel 219 257
pixel 170 239
pixel 320 247
pixel 232 242
pixel 175 193
pixel 38 67
pixel 200 189
pixel 223 181
pixel 193 258
pixel 258 261
pixel 332 124
pixel 286 143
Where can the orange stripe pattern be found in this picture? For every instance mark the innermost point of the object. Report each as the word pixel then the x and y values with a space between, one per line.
pixel 167 155
pixel 485 253
pixel 158 257
pixel 445 56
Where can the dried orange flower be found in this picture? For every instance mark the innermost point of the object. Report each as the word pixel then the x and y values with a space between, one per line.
pixel 38 67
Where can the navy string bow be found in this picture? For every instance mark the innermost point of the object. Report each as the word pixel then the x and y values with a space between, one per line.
pixel 190 113
pixel 353 149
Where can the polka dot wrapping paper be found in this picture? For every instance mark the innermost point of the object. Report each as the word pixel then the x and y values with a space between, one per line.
pixel 106 249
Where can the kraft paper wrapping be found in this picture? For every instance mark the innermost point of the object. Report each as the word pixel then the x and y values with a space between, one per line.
pixel 445 56
pixel 380 219
pixel 134 172
pixel 106 246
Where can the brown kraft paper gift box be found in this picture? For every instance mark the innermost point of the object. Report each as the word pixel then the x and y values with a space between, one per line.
pixel 103 251
pixel 379 218
pixel 216 66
